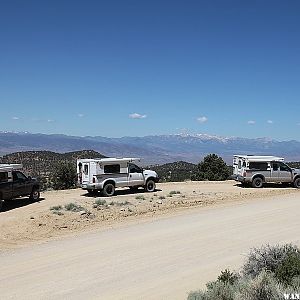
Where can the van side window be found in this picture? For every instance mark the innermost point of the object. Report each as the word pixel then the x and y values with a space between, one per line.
pixel 244 164
pixel 262 166
pixel 112 169
pixel 3 176
pixel 86 169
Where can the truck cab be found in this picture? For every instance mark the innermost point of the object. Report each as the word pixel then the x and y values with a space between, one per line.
pixel 14 183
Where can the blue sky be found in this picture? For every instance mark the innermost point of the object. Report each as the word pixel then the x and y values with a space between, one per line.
pixel 133 68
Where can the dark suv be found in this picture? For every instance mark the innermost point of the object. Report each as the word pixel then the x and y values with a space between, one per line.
pixel 14 184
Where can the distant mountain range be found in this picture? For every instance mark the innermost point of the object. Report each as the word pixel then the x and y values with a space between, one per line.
pixel 155 149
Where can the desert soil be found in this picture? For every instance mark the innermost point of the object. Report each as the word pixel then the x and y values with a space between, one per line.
pixel 161 258
pixel 23 222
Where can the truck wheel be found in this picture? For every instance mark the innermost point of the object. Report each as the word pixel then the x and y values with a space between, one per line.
pixel 35 194
pixel 257 182
pixel 108 190
pixel 297 183
pixel 150 186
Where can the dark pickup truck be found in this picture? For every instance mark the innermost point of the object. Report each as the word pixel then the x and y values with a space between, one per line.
pixel 14 184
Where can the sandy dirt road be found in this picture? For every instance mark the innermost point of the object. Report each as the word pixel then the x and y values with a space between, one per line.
pixel 23 222
pixel 159 259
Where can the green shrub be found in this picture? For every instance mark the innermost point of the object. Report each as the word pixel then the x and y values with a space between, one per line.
pixel 161 197
pixel 140 197
pixel 228 277
pixel 289 268
pixel 64 176
pixel 262 287
pixel 73 207
pixel 56 208
pixel 267 258
pixel 100 202
pixel 212 168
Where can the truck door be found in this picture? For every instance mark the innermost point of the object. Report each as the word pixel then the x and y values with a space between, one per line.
pixel 285 173
pixel 21 184
pixel 5 186
pixel 136 177
pixel 274 172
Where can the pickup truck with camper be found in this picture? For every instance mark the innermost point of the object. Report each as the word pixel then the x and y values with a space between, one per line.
pixel 107 174
pixel 256 170
pixel 14 184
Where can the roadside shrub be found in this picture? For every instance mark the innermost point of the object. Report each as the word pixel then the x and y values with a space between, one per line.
pixel 64 176
pixel 262 287
pixel 73 207
pixel 211 168
pixel 267 258
pixel 268 274
pixel 289 268
pixel 57 207
pixel 215 290
pixel 100 202
pixel 140 197
pixel 228 277
pixel 161 197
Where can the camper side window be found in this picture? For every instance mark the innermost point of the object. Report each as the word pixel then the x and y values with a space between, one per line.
pixel 262 166
pixel 112 169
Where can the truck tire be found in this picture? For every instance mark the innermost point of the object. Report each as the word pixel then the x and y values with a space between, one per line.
pixel 297 183
pixel 257 182
pixel 35 194
pixel 150 186
pixel 108 190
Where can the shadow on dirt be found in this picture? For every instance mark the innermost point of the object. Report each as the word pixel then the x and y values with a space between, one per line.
pixel 121 192
pixel 266 185
pixel 17 203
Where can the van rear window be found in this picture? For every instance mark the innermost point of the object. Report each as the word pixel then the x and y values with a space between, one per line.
pixel 262 166
pixel 112 169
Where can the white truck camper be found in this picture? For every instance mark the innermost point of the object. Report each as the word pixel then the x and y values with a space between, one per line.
pixel 107 174
pixel 258 170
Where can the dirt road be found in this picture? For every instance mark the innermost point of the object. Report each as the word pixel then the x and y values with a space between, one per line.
pixel 23 222
pixel 160 259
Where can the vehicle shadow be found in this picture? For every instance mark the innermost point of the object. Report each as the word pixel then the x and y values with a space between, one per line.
pixel 121 192
pixel 17 203
pixel 266 185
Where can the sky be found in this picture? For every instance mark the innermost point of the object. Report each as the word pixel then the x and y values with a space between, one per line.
pixel 134 68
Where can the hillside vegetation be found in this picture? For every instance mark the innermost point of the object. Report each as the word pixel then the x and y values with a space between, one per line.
pixel 44 163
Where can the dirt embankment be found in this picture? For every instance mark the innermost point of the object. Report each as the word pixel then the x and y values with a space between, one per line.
pixel 23 222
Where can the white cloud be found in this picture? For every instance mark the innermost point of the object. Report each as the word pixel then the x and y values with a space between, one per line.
pixel 202 119
pixel 15 118
pixel 251 122
pixel 50 120
pixel 270 122
pixel 80 115
pixel 137 116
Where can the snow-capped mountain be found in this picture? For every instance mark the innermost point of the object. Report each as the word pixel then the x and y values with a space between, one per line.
pixel 152 149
